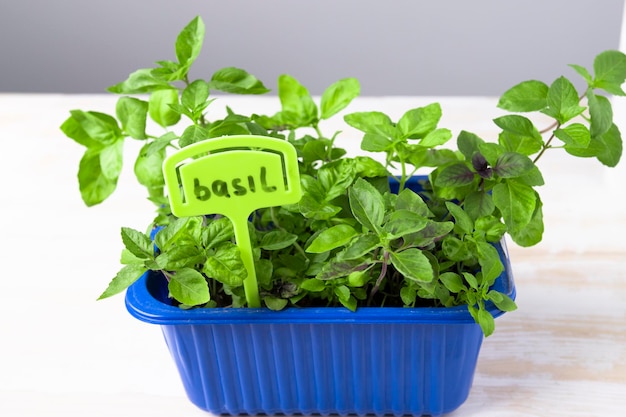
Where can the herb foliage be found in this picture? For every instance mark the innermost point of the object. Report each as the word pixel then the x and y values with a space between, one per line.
pixel 349 241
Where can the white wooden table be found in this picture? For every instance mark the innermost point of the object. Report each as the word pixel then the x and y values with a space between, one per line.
pixel 563 353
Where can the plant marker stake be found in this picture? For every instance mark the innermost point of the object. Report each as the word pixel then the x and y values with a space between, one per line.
pixel 233 176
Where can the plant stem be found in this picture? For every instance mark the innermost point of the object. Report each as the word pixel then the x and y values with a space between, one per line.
pixel 331 146
pixel 168 276
pixel 553 126
pixel 545 146
pixel 318 131
pixel 403 179
pixel 549 128
pixel 383 272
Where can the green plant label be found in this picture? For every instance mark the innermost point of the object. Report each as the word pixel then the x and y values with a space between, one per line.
pixel 232 176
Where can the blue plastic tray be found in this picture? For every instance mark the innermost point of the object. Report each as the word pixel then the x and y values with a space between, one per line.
pixel 319 360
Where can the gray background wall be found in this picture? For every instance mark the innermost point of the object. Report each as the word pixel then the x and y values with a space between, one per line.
pixel 399 47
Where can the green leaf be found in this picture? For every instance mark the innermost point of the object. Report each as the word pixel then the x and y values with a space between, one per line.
pixel 189 42
pixel 297 104
pixel 410 200
pixel 332 238
pixel 313 285
pixel 217 231
pixel 183 256
pixel 490 263
pixel 159 107
pixel 417 123
pixel 160 143
pixel 532 178
pixel 468 143
pixel 226 266
pixel 349 303
pixel 264 272
pixel 236 81
pixel 413 264
pixel 463 222
pixel 420 156
pixel 436 137
pixel 99 127
pixel 342 292
pixel 516 202
pixel 606 147
pixel 124 278
pixel 433 231
pixel 231 125
pixel 111 157
pixel 367 204
pixel 455 249
pixel 132 114
pixel 403 222
pixel 408 295
pixel 373 122
pixel 195 95
pixel 169 70
pixel 486 322
pixel 492 228
pixel 193 134
pixel 94 186
pixel 455 175
pixel 575 135
pixel 336 177
pixel 276 123
pixel 358 279
pixel 452 281
pixel 312 208
pixel 518 134
pixel 277 239
pixel 137 243
pixel 612 149
pixel 479 204
pixel 376 143
pixel 563 101
pixel 610 71
pixel 512 164
pixel 583 72
pixel 601 114
pixel 72 129
pixel 314 150
pixel 369 168
pixel 177 231
pixel 148 168
pixel 502 301
pixel 189 287
pixel 360 246
pixel 275 303
pixel 338 269
pixel 337 97
pixel 471 280
pixel 525 97
pixel 140 82
pixel 128 258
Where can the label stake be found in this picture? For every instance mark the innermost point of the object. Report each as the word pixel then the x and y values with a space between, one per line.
pixel 233 176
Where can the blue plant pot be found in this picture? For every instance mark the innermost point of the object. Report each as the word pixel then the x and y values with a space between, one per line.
pixel 319 360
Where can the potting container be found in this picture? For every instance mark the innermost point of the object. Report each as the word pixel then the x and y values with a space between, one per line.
pixel 376 360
